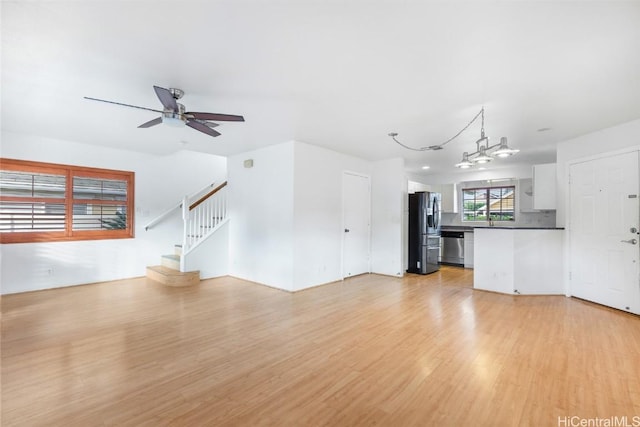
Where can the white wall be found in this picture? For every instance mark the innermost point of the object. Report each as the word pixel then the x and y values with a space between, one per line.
pixel 318 230
pixel 626 135
pixel 388 199
pixel 285 226
pixel 160 182
pixel 286 215
pixel 261 216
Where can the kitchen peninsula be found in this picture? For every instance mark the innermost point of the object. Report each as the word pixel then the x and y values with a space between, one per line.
pixel 521 261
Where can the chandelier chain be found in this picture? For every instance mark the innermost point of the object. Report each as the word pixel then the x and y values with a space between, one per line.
pixel 439 146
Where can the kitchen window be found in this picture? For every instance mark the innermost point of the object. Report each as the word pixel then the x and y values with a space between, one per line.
pixel 45 202
pixel 488 203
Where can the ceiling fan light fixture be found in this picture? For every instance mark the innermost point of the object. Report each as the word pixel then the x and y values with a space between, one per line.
pixel 173 119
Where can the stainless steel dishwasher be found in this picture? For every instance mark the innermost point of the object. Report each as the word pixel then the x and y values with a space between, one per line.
pixel 452 247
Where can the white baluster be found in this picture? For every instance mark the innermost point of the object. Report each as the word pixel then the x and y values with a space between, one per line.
pixel 218 213
pixel 210 215
pixel 185 228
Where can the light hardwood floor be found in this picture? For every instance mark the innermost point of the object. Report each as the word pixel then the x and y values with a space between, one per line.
pixel 372 350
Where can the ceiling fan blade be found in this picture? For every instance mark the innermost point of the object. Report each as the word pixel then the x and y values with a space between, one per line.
pixel 217 117
pixel 210 124
pixel 150 123
pixel 168 101
pixel 120 103
pixel 202 128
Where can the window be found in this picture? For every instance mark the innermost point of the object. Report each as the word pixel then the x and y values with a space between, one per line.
pixel 47 202
pixel 482 204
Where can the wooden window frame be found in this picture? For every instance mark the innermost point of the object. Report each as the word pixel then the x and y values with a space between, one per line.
pixel 69 171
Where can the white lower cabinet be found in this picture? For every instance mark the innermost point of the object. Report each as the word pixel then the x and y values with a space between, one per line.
pixel 468 249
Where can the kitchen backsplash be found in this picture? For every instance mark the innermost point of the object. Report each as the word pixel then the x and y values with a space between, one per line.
pixel 523 219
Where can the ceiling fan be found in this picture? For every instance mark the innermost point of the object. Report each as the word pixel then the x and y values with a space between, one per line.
pixel 174 113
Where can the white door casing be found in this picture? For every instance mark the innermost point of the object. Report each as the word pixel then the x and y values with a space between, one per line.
pixel 604 264
pixel 356 221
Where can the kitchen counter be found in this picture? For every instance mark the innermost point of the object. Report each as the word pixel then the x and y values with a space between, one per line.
pixel 457 228
pixel 499 227
pixel 469 229
pixel 518 260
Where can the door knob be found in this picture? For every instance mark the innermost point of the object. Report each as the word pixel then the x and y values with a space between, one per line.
pixel 346 230
pixel 632 241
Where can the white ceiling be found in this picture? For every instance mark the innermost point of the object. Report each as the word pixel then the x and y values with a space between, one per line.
pixel 338 74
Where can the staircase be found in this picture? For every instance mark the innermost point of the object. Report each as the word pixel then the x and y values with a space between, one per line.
pixel 168 272
pixel 202 218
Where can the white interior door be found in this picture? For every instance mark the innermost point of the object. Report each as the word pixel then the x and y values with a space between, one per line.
pixel 604 217
pixel 356 214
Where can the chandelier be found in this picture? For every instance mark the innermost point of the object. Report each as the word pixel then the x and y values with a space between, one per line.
pixel 484 152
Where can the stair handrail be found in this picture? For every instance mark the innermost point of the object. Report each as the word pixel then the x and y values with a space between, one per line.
pixel 169 211
pixel 206 196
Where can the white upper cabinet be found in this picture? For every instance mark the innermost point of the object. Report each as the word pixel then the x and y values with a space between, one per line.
pixel 449 202
pixel 544 186
pixel 449 192
pixel 525 195
pixel 414 187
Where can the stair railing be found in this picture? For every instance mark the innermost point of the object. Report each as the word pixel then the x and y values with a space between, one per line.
pixel 172 209
pixel 202 218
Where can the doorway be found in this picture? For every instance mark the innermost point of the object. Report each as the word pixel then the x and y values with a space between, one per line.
pixel 604 252
pixel 356 220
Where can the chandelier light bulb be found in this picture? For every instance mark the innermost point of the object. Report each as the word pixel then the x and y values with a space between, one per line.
pixel 483 157
pixel 504 150
pixel 465 163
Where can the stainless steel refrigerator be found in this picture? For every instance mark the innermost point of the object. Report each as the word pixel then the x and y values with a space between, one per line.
pixel 424 232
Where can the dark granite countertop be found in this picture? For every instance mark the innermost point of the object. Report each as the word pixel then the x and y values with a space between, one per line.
pixel 457 228
pixel 498 227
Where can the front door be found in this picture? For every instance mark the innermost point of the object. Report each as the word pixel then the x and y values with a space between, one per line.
pixel 356 213
pixel 603 231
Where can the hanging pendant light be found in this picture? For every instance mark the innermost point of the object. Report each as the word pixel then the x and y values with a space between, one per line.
pixel 482 156
pixel 504 150
pixel 484 152
pixel 465 163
